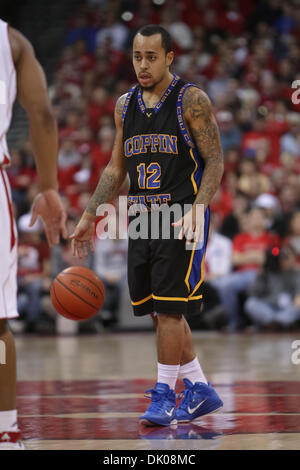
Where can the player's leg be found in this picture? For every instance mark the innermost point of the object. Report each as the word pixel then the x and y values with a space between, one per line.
pixel 170 341
pixel 9 433
pixel 190 367
pixel 170 336
pixel 10 436
pixel 199 397
pixel 7 371
pixel 175 353
pixel 188 353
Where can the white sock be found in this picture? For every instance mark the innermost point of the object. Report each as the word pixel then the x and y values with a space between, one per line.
pixel 8 421
pixel 168 374
pixel 192 371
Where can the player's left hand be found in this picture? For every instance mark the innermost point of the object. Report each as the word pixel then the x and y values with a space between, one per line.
pixel 47 204
pixel 192 224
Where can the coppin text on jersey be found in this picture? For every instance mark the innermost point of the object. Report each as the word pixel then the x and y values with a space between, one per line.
pixel 154 143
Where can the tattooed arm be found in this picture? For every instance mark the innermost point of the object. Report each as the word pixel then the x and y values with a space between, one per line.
pixel 114 174
pixel 202 125
pixel 203 128
pixel 109 184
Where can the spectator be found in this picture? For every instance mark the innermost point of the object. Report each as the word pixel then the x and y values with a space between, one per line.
pixel 248 256
pixel 286 22
pixel 110 263
pixel 71 126
pixel 197 57
pixel 220 83
pixel 231 225
pixel 68 155
pixel 229 132
pixel 180 32
pixel 20 176
pixel 218 263
pixel 270 205
pixel 33 272
pixel 293 239
pixel 259 137
pixel 81 29
pixel 97 107
pixel 251 182
pixel 232 159
pixel 113 30
pixel 221 202
pixel 232 19
pixel 289 202
pixel 274 297
pixel 101 153
pixel 218 258
pixel 290 142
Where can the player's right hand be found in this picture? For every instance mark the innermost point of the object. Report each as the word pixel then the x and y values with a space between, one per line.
pixel 83 236
pixel 47 204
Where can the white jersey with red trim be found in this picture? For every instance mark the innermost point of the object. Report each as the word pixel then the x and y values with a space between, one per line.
pixel 8 89
pixel 8 233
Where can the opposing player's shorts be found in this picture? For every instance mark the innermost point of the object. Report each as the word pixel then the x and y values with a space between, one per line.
pixel 8 252
pixel 163 275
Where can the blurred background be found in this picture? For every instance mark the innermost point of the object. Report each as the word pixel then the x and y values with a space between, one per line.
pixel 245 55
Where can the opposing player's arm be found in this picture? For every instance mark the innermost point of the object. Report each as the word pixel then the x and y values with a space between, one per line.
pixel 114 174
pixel 202 125
pixel 33 96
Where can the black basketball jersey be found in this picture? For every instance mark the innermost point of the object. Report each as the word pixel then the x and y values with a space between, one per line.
pixel 163 162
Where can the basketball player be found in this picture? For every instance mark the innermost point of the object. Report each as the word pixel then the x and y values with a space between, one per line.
pixel 168 141
pixel 21 75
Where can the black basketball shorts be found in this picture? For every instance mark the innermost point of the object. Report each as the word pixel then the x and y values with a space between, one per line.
pixel 163 275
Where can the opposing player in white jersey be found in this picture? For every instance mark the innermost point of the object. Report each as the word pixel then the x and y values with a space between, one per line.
pixel 22 76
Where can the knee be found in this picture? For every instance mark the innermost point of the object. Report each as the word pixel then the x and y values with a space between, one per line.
pixel 3 327
pixel 221 284
pixel 250 304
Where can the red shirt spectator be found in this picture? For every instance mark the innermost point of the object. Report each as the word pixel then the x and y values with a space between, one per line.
pixel 222 203
pixel 249 247
pixel 260 136
pixel 32 253
pixel 244 242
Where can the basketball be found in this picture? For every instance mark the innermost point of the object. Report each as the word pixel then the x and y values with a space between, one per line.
pixel 77 293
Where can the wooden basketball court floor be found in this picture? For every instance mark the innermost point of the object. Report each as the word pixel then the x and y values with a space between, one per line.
pixel 87 392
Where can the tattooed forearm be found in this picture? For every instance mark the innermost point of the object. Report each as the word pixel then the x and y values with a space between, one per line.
pixel 105 191
pixel 210 181
pixel 204 131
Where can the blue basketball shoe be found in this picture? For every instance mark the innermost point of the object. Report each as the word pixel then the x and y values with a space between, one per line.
pixel 161 412
pixel 198 400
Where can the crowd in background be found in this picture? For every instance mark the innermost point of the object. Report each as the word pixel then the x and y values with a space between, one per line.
pixel 245 55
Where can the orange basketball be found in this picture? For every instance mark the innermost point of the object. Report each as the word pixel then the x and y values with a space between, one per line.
pixel 77 293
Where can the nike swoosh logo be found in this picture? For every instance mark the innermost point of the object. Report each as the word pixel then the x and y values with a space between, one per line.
pixel 169 413
pixel 192 410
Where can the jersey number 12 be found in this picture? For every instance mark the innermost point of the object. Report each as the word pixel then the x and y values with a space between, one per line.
pixel 149 177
